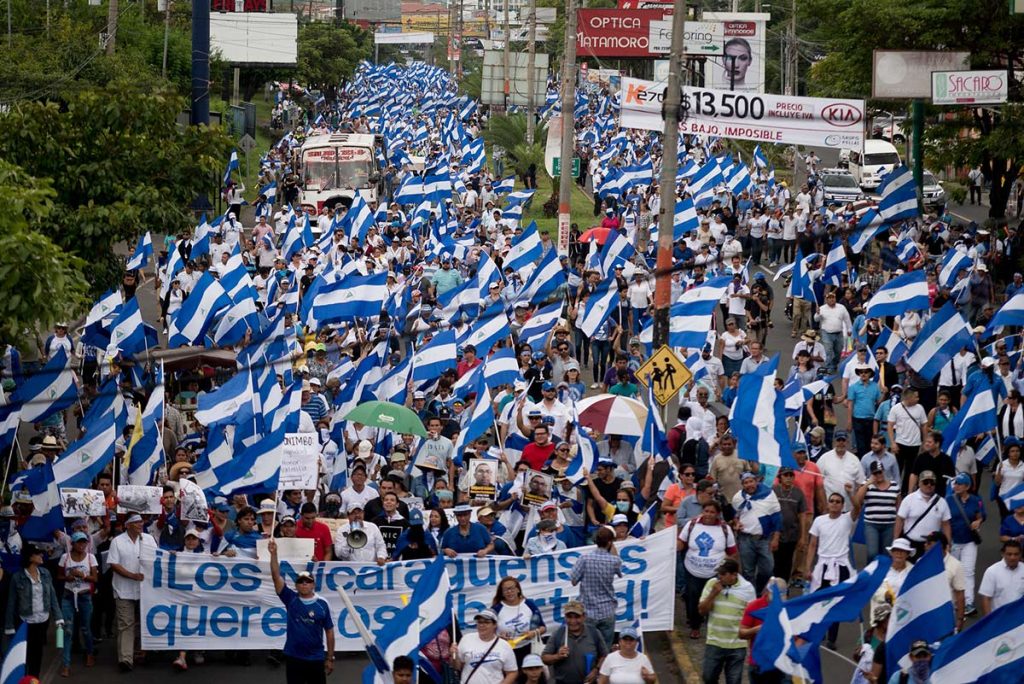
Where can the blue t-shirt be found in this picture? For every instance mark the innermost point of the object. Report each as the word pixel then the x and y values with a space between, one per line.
pixel 307 623
pixel 478 538
pixel 961 528
pixel 864 399
pixel 1011 528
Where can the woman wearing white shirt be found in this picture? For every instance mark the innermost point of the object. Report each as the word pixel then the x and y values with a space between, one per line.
pixel 732 345
pixel 908 326
pixel 627 665
pixel 1009 474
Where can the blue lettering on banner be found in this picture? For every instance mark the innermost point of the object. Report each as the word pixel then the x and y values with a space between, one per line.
pixel 206 602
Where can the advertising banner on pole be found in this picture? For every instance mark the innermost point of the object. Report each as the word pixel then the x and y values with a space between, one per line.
pixel 203 602
pixel 969 87
pixel 616 32
pixel 740 64
pixel 814 121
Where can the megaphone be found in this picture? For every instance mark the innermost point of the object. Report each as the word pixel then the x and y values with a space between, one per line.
pixel 356 537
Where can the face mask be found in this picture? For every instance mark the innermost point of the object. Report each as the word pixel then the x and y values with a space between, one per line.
pixel 622 506
pixel 547 538
pixel 920 669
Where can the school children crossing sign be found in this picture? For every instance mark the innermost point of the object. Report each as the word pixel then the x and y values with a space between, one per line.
pixel 664 374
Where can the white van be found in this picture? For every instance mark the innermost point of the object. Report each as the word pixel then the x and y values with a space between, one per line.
pixel 878 158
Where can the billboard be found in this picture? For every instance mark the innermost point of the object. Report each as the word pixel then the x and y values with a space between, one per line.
pixel 255 38
pixel 741 61
pixel 903 74
pixel 374 11
pixel 969 87
pixel 390 38
pixel 816 121
pixel 492 88
pixel 699 37
pixel 646 4
pixel 615 32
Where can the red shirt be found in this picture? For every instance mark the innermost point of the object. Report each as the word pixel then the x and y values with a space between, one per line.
pixel 749 621
pixel 319 533
pixel 537 455
pixel 461 368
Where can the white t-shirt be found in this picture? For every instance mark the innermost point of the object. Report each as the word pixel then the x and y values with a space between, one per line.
pixel 639 294
pixel 837 471
pixel 492 669
pixel 78 586
pixel 1001 584
pixel 707 546
pixel 622 670
pixel 833 534
pixel 350 495
pixel 913 507
pixel 906 423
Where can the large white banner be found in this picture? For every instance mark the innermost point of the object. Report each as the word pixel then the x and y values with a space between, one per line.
pixel 816 121
pixel 196 601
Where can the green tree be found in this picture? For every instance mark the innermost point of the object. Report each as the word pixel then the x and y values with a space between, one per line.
pixel 119 165
pixel 40 281
pixel 509 133
pixel 991 137
pixel 330 52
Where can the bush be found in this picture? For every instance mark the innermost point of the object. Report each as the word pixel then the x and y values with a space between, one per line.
pixel 957 192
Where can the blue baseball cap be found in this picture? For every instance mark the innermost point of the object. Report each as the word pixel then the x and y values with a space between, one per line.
pixel 547 386
pixel 629 633
pixel 962 479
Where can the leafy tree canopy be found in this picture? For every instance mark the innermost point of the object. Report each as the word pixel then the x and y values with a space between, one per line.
pixel 329 52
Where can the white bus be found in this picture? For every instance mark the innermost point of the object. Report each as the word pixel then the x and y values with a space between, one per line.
pixel 336 166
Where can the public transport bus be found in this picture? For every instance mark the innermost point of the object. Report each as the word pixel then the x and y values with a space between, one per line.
pixel 336 166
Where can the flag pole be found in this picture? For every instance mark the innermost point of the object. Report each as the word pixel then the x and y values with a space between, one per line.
pixel 10 457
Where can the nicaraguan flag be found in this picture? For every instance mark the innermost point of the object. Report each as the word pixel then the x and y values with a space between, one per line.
pixel 359 218
pixel 525 249
pixel 270 192
pixel 891 341
pixel 147 451
pixel 899 196
pixel 255 470
pixel 869 225
pixel 546 280
pixel 86 457
pixel 954 262
pixel 220 406
pixel 143 251
pixel 923 609
pixel 351 297
pixel 586 454
pixel 433 358
pixel 481 419
pixel 10 419
pixel 539 326
pixel 197 312
pixel 617 250
pixel 943 335
pixel 645 521
pixel 1010 313
pixel 1014 498
pixel 987 652
pixel 977 417
pixel 128 332
pixel 46 517
pixel 48 391
pixel 232 166
pixel 599 306
pixel 505 185
pixel 488 330
pixel 835 264
pixel 986 451
pixel 13 668
pixel 758 418
pixel 904 293
pixel 104 308
pixel 775 648
pixel 685 219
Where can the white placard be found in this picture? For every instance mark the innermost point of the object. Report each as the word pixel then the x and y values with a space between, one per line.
pixel 300 461
pixel 193 502
pixel 969 87
pixel 139 499
pixel 291 549
pixel 814 121
pixel 79 503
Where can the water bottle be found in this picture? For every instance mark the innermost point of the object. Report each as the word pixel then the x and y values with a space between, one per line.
pixel 60 636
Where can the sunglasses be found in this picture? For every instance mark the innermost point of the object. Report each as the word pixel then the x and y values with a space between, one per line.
pixel 689 474
pixel 927 482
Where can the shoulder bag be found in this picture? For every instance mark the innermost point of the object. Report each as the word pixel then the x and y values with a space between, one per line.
pixel 975 535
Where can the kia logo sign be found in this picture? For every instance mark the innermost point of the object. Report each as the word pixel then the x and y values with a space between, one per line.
pixel 841 115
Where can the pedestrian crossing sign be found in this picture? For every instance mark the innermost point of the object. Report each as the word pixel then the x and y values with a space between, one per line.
pixel 664 374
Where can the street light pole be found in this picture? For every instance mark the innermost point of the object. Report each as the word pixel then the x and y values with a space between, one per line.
pixel 568 129
pixel 667 185
pixel 531 79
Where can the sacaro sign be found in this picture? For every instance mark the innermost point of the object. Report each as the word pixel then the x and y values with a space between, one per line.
pixel 766 118
pixel 616 32
pixel 969 87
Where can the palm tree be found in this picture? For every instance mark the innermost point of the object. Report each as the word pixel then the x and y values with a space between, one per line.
pixel 509 133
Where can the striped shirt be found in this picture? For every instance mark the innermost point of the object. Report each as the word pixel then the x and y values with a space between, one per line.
pixel 880 505
pixel 595 572
pixel 724 618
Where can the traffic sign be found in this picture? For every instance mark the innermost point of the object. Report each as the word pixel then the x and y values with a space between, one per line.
pixel 247 143
pixel 665 374
pixel 556 167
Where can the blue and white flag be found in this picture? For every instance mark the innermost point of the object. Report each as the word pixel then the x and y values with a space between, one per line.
pixel 1014 498
pixel 481 417
pixel 436 356
pixel 586 456
pixel 87 456
pixel 908 292
pixel 684 219
pixel 954 262
pixel 976 417
pixel 869 225
pixel 147 452
pixel 232 166
pixel 653 442
pixel 1010 313
pixel 987 451
pixel 690 318
pixel 197 312
pixel 525 249
pixel 893 343
pixel 13 667
pixel 270 192
pixel 48 391
pixel 546 280
pixel 46 517
pixel 255 470
pixel 537 328
pixel 350 297
pixel 492 327
pixel 835 264
pixel 899 195
pixel 128 332
pixel 359 219
pixel 616 252
pixel 599 306
pixel 943 335
pixel 505 185
pixel 10 419
pixel 987 652
pixel 220 406
pixel 907 249
pixel 775 648
pixel 758 418
pixel 143 251
pixel 645 521
pixel 105 307
pixel 923 609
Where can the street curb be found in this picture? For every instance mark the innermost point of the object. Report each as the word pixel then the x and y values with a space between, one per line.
pixel 682 658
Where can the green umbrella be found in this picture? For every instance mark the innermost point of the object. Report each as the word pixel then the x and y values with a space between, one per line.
pixel 384 414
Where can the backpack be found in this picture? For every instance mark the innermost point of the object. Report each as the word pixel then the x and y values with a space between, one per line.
pixel 693 523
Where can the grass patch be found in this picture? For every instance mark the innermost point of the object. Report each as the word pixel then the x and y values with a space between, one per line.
pixel 263 141
pixel 581 209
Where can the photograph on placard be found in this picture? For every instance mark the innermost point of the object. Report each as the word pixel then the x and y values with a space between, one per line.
pixel 538 488
pixel 193 502
pixel 79 503
pixel 482 478
pixel 139 499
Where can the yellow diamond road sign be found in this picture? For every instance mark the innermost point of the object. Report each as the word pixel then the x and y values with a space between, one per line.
pixel 665 374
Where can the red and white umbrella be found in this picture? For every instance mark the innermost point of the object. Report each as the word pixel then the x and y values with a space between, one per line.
pixel 610 414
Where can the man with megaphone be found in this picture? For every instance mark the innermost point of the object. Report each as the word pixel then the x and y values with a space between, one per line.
pixel 359 540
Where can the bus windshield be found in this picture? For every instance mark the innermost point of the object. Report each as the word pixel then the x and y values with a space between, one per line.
pixel 329 168
pixel 319 175
pixel 882 159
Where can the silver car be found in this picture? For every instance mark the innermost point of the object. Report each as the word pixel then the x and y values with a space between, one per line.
pixel 839 186
pixel 934 195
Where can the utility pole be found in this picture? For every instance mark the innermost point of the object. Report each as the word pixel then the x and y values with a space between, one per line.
pixel 531 79
pixel 794 52
pixel 507 58
pixel 487 18
pixel 112 26
pixel 200 62
pixel 568 129
pixel 667 185
pixel 167 32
